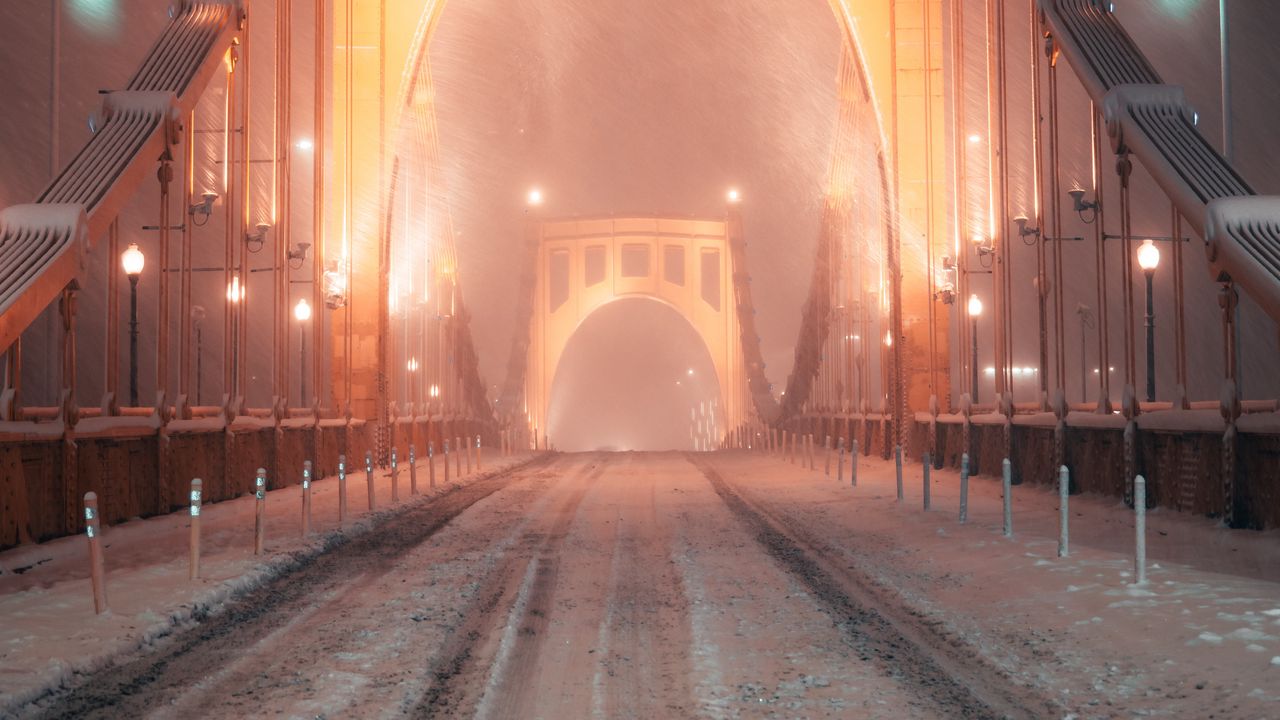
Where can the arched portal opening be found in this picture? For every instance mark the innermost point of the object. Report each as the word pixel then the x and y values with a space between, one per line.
pixel 635 376
pixel 864 78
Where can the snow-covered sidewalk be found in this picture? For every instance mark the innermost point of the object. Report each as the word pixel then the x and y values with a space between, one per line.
pixel 1200 639
pixel 48 630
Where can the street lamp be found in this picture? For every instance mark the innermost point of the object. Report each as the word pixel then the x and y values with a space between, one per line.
pixel 734 196
pixel 302 313
pixel 132 260
pixel 1149 260
pixel 535 198
pixel 975 311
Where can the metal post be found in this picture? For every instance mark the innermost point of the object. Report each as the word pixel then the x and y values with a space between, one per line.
pixel 964 487
pixel 840 463
pixel 97 574
pixel 196 501
pixel 975 360
pixel 478 453
pixel 1151 338
pixel 260 512
pixel 446 462
pixel 1224 47
pixel 199 363
pixel 897 454
pixel 826 469
pixel 1140 529
pixel 1064 494
pixel 302 364
pixel 133 341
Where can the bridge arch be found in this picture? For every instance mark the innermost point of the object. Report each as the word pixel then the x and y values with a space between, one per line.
pixel 586 264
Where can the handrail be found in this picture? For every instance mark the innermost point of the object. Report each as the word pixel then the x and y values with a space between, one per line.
pixel 1154 122
pixel 42 245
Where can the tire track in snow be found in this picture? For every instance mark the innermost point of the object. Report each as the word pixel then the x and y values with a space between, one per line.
pixel 504 659
pixel 947 675
pixel 143 681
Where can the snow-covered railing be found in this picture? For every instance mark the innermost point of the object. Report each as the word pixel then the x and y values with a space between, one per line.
pixel 107 171
pixel 1244 246
pixel 37 241
pixel 190 50
pixel 1101 52
pixel 1155 123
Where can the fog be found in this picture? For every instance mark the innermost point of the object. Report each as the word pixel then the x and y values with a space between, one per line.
pixel 615 107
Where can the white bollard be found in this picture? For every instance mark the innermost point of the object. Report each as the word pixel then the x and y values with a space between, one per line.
pixel 446 462
pixel 853 464
pixel 431 464
pixel 342 489
pixel 1140 529
pixel 97 572
pixel 1064 493
pixel 368 476
pixel 260 512
pixel 197 493
pixel 395 477
pixel 826 460
pixel 928 465
pixel 840 462
pixel 413 470
pixel 1006 481
pixel 964 488
pixel 897 454
pixel 306 498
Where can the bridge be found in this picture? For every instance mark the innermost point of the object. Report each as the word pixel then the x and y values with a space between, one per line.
pixel 1047 253
pixel 922 222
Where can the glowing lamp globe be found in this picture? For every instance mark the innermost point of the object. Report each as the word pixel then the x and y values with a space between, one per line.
pixel 1148 256
pixel 132 260
pixel 975 306
pixel 302 311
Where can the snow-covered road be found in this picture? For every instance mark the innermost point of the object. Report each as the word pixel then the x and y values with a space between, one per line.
pixel 714 585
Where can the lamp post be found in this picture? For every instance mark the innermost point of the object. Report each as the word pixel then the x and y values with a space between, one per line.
pixel 132 260
pixel 302 313
pixel 975 311
pixel 1149 260
pixel 197 322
